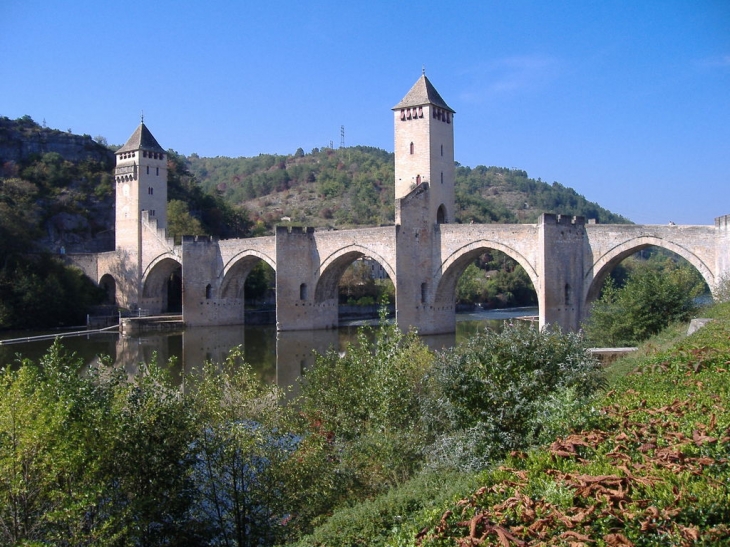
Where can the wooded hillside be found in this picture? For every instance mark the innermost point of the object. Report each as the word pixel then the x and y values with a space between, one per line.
pixel 353 186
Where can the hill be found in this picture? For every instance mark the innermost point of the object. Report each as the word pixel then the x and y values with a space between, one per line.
pixel 353 186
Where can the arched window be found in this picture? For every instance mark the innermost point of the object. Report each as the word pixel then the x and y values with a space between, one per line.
pixel 568 295
pixel 208 292
pixel 303 291
pixel 418 180
pixel 412 148
pixel 441 215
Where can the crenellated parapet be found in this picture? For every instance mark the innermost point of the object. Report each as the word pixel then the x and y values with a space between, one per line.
pixel 561 220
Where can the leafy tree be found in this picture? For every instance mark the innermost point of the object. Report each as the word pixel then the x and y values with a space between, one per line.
pixel 653 297
pixel 180 222
pixel 361 421
pixel 40 291
pixel 495 281
pixel 146 470
pixel 242 454
pixel 52 424
pixel 260 282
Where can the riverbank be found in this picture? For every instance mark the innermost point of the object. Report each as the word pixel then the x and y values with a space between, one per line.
pixel 646 464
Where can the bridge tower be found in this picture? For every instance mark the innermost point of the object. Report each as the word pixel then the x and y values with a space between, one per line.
pixel 141 182
pixel 424 148
pixel 141 204
pixel 424 200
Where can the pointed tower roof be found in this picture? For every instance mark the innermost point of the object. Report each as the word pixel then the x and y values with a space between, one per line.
pixel 141 139
pixel 423 93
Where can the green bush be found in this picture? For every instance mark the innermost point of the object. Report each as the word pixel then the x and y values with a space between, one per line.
pixel 651 299
pixel 361 411
pixel 499 391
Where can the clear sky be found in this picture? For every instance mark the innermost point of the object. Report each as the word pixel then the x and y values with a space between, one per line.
pixel 627 102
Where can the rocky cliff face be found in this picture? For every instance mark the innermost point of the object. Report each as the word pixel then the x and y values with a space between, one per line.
pixel 21 139
pixel 73 176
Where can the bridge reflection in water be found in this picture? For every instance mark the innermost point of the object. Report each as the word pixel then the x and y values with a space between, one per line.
pixel 278 357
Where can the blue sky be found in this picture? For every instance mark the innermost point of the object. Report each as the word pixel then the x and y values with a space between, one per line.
pixel 627 102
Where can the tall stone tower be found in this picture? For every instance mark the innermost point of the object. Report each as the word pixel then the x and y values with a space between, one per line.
pixel 424 148
pixel 141 182
pixel 424 200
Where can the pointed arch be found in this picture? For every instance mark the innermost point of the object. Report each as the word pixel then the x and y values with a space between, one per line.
pixel 441 217
pixel 603 265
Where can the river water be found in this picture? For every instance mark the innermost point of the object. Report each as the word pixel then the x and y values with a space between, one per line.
pixel 278 357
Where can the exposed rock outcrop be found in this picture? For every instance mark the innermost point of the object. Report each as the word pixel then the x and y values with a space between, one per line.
pixel 20 139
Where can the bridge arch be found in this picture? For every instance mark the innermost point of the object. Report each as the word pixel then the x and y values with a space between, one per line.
pixel 455 264
pixel 162 284
pixel 603 265
pixel 236 271
pixel 332 268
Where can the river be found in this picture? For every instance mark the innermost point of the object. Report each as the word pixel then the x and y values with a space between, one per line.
pixel 278 357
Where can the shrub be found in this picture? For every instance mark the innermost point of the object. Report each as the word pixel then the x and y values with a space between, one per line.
pixel 650 300
pixel 499 391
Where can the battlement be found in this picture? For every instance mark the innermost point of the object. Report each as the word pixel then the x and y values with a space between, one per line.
pixel 294 230
pixel 199 239
pixel 723 223
pixel 561 220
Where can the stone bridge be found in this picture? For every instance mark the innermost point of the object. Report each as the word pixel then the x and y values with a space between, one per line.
pixel 424 253
pixel 566 259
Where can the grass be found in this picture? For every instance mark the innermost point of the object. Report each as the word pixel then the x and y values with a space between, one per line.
pixel 649 467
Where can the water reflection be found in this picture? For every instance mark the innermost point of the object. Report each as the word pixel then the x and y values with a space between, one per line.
pixel 279 357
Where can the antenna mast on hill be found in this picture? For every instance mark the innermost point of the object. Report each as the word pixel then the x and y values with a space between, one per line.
pixel 342 136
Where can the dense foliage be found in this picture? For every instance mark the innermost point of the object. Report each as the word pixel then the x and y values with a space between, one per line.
pixel 36 289
pixel 654 293
pixel 380 447
pixel 193 211
pixel 496 392
pixel 494 280
pixel 102 458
